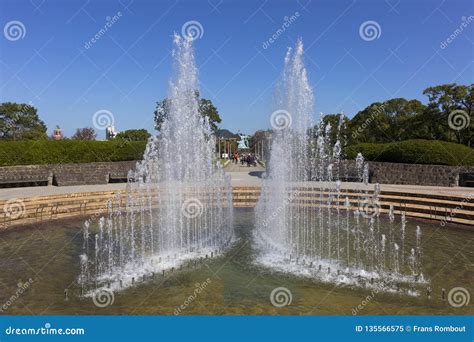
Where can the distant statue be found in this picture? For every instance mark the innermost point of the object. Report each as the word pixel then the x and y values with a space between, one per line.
pixel 244 142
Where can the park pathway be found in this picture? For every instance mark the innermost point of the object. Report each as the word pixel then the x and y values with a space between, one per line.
pixel 243 175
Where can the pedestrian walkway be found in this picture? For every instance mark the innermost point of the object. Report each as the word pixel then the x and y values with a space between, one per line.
pixel 243 175
pixel 232 167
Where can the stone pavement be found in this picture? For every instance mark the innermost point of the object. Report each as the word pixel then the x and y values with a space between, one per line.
pixel 245 175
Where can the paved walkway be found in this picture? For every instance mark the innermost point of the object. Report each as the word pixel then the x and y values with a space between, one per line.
pixel 232 167
pixel 241 176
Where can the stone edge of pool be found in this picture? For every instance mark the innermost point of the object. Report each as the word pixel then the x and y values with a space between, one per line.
pixel 435 204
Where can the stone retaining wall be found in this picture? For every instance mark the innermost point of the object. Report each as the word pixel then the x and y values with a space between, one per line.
pixel 411 174
pixel 103 173
pixel 418 174
pixel 65 174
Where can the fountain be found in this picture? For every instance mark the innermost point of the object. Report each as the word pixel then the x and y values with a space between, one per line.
pixel 306 217
pixel 178 202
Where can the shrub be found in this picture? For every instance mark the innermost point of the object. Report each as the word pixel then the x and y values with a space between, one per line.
pixel 68 151
pixel 415 152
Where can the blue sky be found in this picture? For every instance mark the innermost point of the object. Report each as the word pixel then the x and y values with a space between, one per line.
pixel 127 70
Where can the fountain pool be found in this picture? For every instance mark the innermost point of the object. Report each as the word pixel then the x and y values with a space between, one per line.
pixel 238 282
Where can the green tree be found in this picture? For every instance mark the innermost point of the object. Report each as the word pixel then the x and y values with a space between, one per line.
pixel 339 127
pixel 86 133
pixel 443 101
pixel 133 135
pixel 20 121
pixel 387 121
pixel 206 108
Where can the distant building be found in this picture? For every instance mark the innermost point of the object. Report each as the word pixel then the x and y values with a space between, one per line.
pixel 110 133
pixel 57 133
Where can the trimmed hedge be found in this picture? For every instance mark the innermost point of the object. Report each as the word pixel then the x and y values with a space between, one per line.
pixel 415 152
pixel 68 151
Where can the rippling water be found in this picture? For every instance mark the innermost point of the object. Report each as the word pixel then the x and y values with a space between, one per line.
pixel 234 283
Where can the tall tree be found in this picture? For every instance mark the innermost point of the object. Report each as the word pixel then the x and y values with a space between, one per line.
pixel 206 109
pixel 443 101
pixel 86 133
pixel 386 121
pixel 20 121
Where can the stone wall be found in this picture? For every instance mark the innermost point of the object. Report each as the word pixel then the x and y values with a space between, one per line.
pixel 410 174
pixel 103 173
pixel 413 174
pixel 65 174
pixel 437 175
